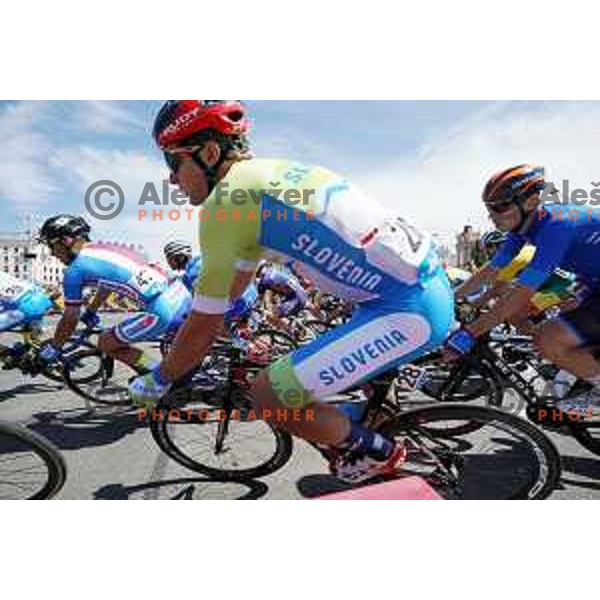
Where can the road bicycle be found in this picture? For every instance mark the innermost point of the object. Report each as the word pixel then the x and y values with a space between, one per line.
pixel 516 379
pixel 498 456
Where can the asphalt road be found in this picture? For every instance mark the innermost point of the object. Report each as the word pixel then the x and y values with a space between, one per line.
pixel 110 455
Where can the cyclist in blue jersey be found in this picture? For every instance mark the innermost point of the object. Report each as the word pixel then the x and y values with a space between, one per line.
pixel 344 241
pixel 276 281
pixel 110 268
pixel 565 237
pixel 180 259
pixel 22 303
pixel 239 309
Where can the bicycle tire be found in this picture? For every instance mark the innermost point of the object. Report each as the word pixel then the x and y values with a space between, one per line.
pixel 85 387
pixel 546 474
pixel 167 442
pixel 582 433
pixel 51 457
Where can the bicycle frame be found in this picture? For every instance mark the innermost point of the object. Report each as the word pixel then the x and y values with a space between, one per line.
pixel 485 354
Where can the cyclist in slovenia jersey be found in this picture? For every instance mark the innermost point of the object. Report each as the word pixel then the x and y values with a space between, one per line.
pixel 339 238
pixel 110 268
pixel 564 237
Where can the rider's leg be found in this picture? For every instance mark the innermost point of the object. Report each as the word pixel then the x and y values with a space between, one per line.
pixel 379 337
pixel 144 327
pixel 311 420
pixel 568 342
pixel 559 342
pixel 110 343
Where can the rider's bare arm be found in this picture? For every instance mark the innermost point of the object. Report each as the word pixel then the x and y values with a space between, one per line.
pixel 486 275
pixel 498 289
pixel 513 302
pixel 66 326
pixel 98 300
pixel 196 336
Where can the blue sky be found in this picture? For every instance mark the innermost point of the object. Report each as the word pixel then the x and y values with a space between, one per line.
pixel 425 160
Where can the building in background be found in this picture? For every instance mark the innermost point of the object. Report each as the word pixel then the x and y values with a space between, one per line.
pixel 469 254
pixel 445 253
pixel 23 258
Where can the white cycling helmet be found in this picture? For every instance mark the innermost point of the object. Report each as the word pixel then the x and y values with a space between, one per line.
pixel 177 248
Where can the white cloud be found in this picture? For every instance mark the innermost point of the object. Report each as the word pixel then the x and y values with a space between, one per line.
pixel 34 134
pixel 104 116
pixel 25 178
pixel 131 171
pixel 441 186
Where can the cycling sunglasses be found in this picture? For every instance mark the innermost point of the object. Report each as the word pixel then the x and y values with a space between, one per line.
pixel 174 158
pixel 500 207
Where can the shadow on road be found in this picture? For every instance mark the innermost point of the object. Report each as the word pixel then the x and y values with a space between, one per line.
pixel 44 387
pixel 313 486
pixel 183 489
pixel 75 429
pixel 582 466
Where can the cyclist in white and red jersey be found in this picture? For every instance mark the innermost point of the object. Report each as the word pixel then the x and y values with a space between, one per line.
pixel 111 268
pixel 339 238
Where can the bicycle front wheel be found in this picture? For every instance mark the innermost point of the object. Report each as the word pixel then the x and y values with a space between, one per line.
pixel 31 468
pixel 220 442
pixel 504 458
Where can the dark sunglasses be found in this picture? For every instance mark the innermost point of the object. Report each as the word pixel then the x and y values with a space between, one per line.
pixel 500 207
pixel 174 158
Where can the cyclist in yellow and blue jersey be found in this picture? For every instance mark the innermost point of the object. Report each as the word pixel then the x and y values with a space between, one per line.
pixel 338 237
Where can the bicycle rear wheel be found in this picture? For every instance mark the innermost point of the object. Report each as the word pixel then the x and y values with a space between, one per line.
pixel 31 468
pixel 98 379
pixel 505 458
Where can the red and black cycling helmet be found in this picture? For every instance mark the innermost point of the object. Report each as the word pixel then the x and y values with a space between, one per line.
pixel 187 124
pixel 179 121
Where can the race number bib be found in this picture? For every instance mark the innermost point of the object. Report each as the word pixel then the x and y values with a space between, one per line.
pixel 147 282
pixel 411 377
pixel 400 249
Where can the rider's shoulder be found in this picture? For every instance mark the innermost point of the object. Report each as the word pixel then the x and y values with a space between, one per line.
pixel 255 172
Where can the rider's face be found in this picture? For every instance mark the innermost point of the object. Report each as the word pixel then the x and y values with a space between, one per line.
pixel 187 174
pixel 192 180
pixel 61 251
pixel 177 263
pixel 507 220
